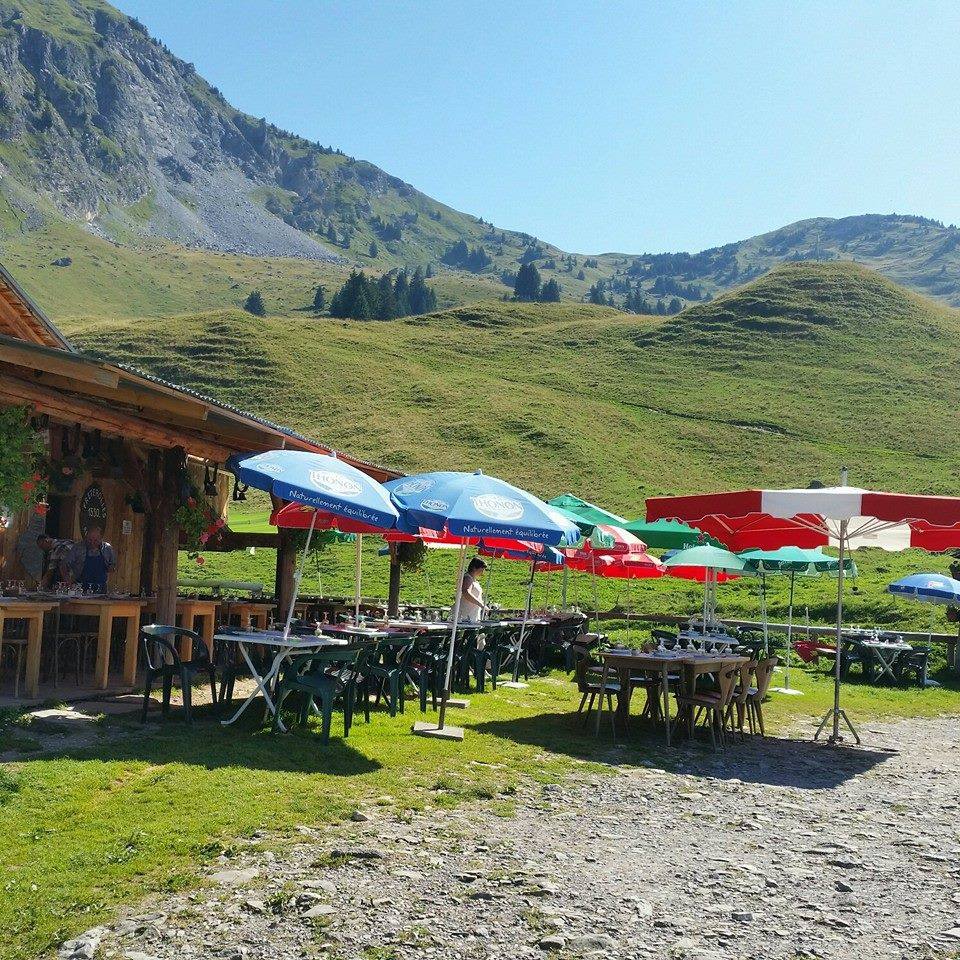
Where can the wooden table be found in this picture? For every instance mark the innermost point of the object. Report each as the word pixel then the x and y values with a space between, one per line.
pixel 32 611
pixel 251 613
pixel 107 610
pixel 189 610
pixel 692 664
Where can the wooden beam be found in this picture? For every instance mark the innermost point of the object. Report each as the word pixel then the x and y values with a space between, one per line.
pixel 16 321
pixel 168 537
pixel 56 361
pixel 93 415
pixel 393 596
pixel 193 411
pixel 286 568
pixel 229 541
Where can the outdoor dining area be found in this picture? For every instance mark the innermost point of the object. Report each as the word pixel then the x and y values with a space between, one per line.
pixel 107 476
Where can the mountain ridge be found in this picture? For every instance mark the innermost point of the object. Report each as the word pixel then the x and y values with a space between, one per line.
pixel 102 125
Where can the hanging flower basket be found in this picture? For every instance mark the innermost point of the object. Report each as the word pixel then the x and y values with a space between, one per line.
pixel 23 476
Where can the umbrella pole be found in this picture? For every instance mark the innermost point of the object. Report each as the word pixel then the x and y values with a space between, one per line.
pixel 566 575
pixel 453 635
pixel 793 578
pixel 518 652
pixel 836 712
pixel 596 602
pixel 357 575
pixel 298 577
pixel 786 688
pixel 763 613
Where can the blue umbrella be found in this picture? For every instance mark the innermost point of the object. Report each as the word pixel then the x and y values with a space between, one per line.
pixel 321 481
pixel 318 480
pixel 472 506
pixel 928 587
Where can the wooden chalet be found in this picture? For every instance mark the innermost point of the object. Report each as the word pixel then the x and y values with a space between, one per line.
pixel 121 441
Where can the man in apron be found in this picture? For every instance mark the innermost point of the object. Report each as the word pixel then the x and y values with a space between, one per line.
pixel 90 561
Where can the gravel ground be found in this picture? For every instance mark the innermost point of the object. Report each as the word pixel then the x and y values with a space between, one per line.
pixel 775 848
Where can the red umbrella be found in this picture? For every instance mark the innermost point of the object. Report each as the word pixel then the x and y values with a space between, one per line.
pixel 843 516
pixel 298 516
pixel 630 567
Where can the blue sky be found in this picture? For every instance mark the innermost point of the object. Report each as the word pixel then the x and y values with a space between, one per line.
pixel 607 126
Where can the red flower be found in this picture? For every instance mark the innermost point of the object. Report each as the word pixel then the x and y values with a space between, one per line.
pixel 191 502
pixel 200 561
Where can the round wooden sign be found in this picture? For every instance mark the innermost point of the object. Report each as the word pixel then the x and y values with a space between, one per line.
pixel 93 509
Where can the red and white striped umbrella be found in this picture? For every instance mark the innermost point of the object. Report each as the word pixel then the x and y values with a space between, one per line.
pixel 767 519
pixel 844 516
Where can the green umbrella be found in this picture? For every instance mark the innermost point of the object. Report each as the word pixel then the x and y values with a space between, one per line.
pixel 668 534
pixel 712 560
pixel 709 557
pixel 584 514
pixel 791 560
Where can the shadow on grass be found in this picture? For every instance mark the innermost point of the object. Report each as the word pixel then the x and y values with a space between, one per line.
pixel 774 761
pixel 247 744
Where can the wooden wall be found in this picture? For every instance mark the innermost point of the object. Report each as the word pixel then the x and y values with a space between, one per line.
pixel 125 528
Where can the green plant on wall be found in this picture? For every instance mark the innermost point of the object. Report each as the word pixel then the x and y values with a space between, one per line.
pixel 22 473
pixel 410 556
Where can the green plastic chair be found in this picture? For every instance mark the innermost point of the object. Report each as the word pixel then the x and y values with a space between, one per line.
pixel 323 678
pixel 385 673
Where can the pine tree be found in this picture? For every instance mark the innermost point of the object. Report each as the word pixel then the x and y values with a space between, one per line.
pixel 429 272
pixel 675 306
pixel 581 275
pixel 254 304
pixel 527 286
pixel 550 292
pixel 319 299
pixel 386 305
pixel 422 299
pixel 598 294
pixel 374 249
pixel 661 309
pixel 401 297
pixel 331 233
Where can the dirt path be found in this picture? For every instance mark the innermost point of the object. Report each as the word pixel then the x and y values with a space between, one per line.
pixel 776 849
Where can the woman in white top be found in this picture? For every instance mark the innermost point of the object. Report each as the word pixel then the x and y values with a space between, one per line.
pixel 471 592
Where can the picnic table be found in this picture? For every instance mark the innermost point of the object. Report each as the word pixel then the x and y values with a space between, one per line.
pixel 692 663
pixel 285 647
pixel 107 609
pixel 882 654
pixel 32 611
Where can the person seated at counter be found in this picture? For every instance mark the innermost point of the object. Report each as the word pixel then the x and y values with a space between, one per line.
pixel 89 562
pixel 54 552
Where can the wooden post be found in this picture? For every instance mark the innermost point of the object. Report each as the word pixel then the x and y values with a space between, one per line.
pixel 151 527
pixel 168 537
pixel 286 568
pixel 393 597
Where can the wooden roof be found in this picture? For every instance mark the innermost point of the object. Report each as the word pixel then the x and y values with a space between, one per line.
pixel 20 317
pixel 41 368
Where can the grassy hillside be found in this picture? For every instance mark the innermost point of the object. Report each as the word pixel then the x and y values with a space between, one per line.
pixel 807 369
pixel 810 368
pixel 156 279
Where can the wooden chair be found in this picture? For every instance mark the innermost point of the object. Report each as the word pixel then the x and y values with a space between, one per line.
pixel 757 694
pixel 590 684
pixel 738 702
pixel 711 705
